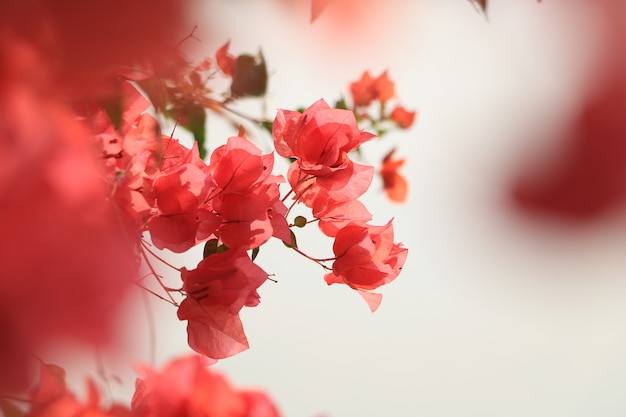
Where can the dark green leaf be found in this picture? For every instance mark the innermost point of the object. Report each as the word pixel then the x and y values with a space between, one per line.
pixel 194 119
pixel 114 108
pixel 210 248
pixel 156 92
pixel 250 78
pixel 341 104
pixel 267 126
pixel 294 243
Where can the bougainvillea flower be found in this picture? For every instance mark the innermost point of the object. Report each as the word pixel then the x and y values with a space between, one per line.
pixel 51 398
pixel 320 140
pixel 368 89
pixel 221 285
pixel 246 196
pixel 334 215
pixel 239 166
pixel 402 117
pixel 366 257
pixel 248 219
pixel 178 197
pixel 394 184
pixel 321 136
pixel 245 219
pixel 212 330
pixel 187 388
pixel 345 182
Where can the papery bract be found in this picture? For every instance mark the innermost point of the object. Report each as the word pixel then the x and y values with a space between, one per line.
pixel 247 196
pixel 366 257
pixel 246 220
pixel 178 197
pixel 320 136
pixel 320 140
pixel 334 215
pixel 239 165
pixel 345 182
pixel 221 285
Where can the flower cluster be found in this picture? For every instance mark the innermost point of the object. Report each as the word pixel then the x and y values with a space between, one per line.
pixel 90 186
pixel 324 178
pixel 366 92
pixel 381 89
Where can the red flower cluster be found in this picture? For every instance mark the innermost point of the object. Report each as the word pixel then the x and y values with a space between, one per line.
pixel 85 172
pixel 221 285
pixel 367 258
pixel 168 190
pixel 325 179
pixel 320 140
pixel 367 90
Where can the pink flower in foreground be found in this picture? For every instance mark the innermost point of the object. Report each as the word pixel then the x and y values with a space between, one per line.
pixel 51 398
pixel 221 285
pixel 186 388
pixel 366 258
